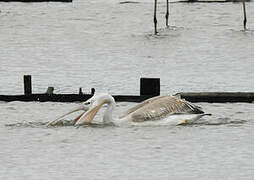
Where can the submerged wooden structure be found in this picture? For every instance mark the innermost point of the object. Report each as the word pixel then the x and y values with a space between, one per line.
pixel 149 87
pixel 218 97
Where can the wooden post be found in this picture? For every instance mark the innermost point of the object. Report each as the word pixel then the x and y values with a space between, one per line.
pixel 80 91
pixel 167 14
pixel 154 17
pixel 149 86
pixel 27 84
pixel 92 91
pixel 244 15
pixel 50 90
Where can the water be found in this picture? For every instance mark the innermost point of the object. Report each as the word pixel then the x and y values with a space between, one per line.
pixel 216 147
pixel 109 46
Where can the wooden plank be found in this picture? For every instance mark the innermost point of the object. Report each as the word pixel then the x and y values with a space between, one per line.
pixel 67 98
pixel 218 97
pixel 210 97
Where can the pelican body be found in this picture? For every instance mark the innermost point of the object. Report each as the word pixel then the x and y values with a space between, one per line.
pixel 159 110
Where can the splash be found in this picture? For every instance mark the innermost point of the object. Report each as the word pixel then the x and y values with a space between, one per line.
pixel 71 123
pixel 217 122
pixel 61 123
pixel 25 124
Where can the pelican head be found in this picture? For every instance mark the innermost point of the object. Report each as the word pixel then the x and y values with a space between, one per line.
pixel 97 99
pixel 94 104
pixel 90 109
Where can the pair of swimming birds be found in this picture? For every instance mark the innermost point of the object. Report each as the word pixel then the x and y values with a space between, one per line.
pixel 159 110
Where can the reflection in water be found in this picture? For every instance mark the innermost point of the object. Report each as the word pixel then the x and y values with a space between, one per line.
pixel 169 32
pixel 24 124
pixel 218 122
pixel 65 123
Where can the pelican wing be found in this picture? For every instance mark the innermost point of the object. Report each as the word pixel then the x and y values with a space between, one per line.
pixel 140 105
pixel 160 107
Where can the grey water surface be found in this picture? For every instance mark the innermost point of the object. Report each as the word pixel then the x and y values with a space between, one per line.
pixel 109 45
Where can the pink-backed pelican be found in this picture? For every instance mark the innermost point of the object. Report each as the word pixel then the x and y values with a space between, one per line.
pixel 159 110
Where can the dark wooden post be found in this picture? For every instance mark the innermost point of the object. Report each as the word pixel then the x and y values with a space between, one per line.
pixel 149 86
pixel 27 84
pixel 50 90
pixel 167 14
pixel 155 18
pixel 92 91
pixel 80 91
pixel 244 15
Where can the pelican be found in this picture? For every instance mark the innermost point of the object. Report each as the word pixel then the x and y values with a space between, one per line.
pixel 159 110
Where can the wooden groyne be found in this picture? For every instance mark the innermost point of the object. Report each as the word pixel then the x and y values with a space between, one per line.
pixel 67 98
pixel 149 87
pixel 218 97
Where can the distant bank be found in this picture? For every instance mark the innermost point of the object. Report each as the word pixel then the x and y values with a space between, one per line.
pixel 28 1
pixel 125 2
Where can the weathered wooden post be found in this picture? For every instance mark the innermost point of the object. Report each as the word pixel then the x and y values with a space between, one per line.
pixel 27 84
pixel 244 15
pixel 92 91
pixel 154 17
pixel 167 14
pixel 50 90
pixel 80 92
pixel 149 86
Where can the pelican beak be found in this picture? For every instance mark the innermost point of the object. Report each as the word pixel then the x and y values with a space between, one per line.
pixel 88 116
pixel 83 108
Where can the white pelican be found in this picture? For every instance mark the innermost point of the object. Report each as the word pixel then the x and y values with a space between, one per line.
pixel 159 110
